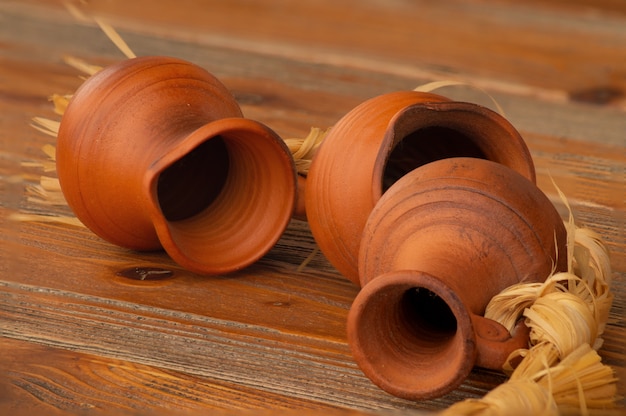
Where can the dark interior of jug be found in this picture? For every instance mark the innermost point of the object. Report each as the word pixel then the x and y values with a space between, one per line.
pixel 426 145
pixel 193 182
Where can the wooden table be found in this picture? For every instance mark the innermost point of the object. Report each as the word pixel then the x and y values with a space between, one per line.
pixel 76 337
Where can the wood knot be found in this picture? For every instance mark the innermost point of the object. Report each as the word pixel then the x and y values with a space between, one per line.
pixel 145 273
pixel 597 95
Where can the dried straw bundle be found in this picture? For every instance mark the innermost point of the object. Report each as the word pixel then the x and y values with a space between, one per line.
pixel 560 372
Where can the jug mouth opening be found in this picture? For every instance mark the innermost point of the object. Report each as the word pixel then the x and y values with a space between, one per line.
pixel 193 182
pixel 223 197
pixel 427 319
pixel 424 145
pixel 427 132
pixel 410 340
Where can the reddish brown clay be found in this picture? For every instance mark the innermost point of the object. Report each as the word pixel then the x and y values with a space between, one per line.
pixel 154 152
pixel 440 243
pixel 381 140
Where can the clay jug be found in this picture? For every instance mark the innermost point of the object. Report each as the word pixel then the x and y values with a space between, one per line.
pixel 440 243
pixel 154 152
pixel 381 140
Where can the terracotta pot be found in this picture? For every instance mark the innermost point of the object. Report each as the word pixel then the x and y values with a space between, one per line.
pixel 440 243
pixel 154 152
pixel 381 140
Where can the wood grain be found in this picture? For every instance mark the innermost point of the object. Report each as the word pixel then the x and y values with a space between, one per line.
pixel 64 381
pixel 505 45
pixel 76 337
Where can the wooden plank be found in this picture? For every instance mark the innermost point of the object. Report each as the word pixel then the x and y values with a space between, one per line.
pixel 59 381
pixel 504 45
pixel 256 329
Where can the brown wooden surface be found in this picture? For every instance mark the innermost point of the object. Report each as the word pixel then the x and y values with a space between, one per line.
pixel 77 338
